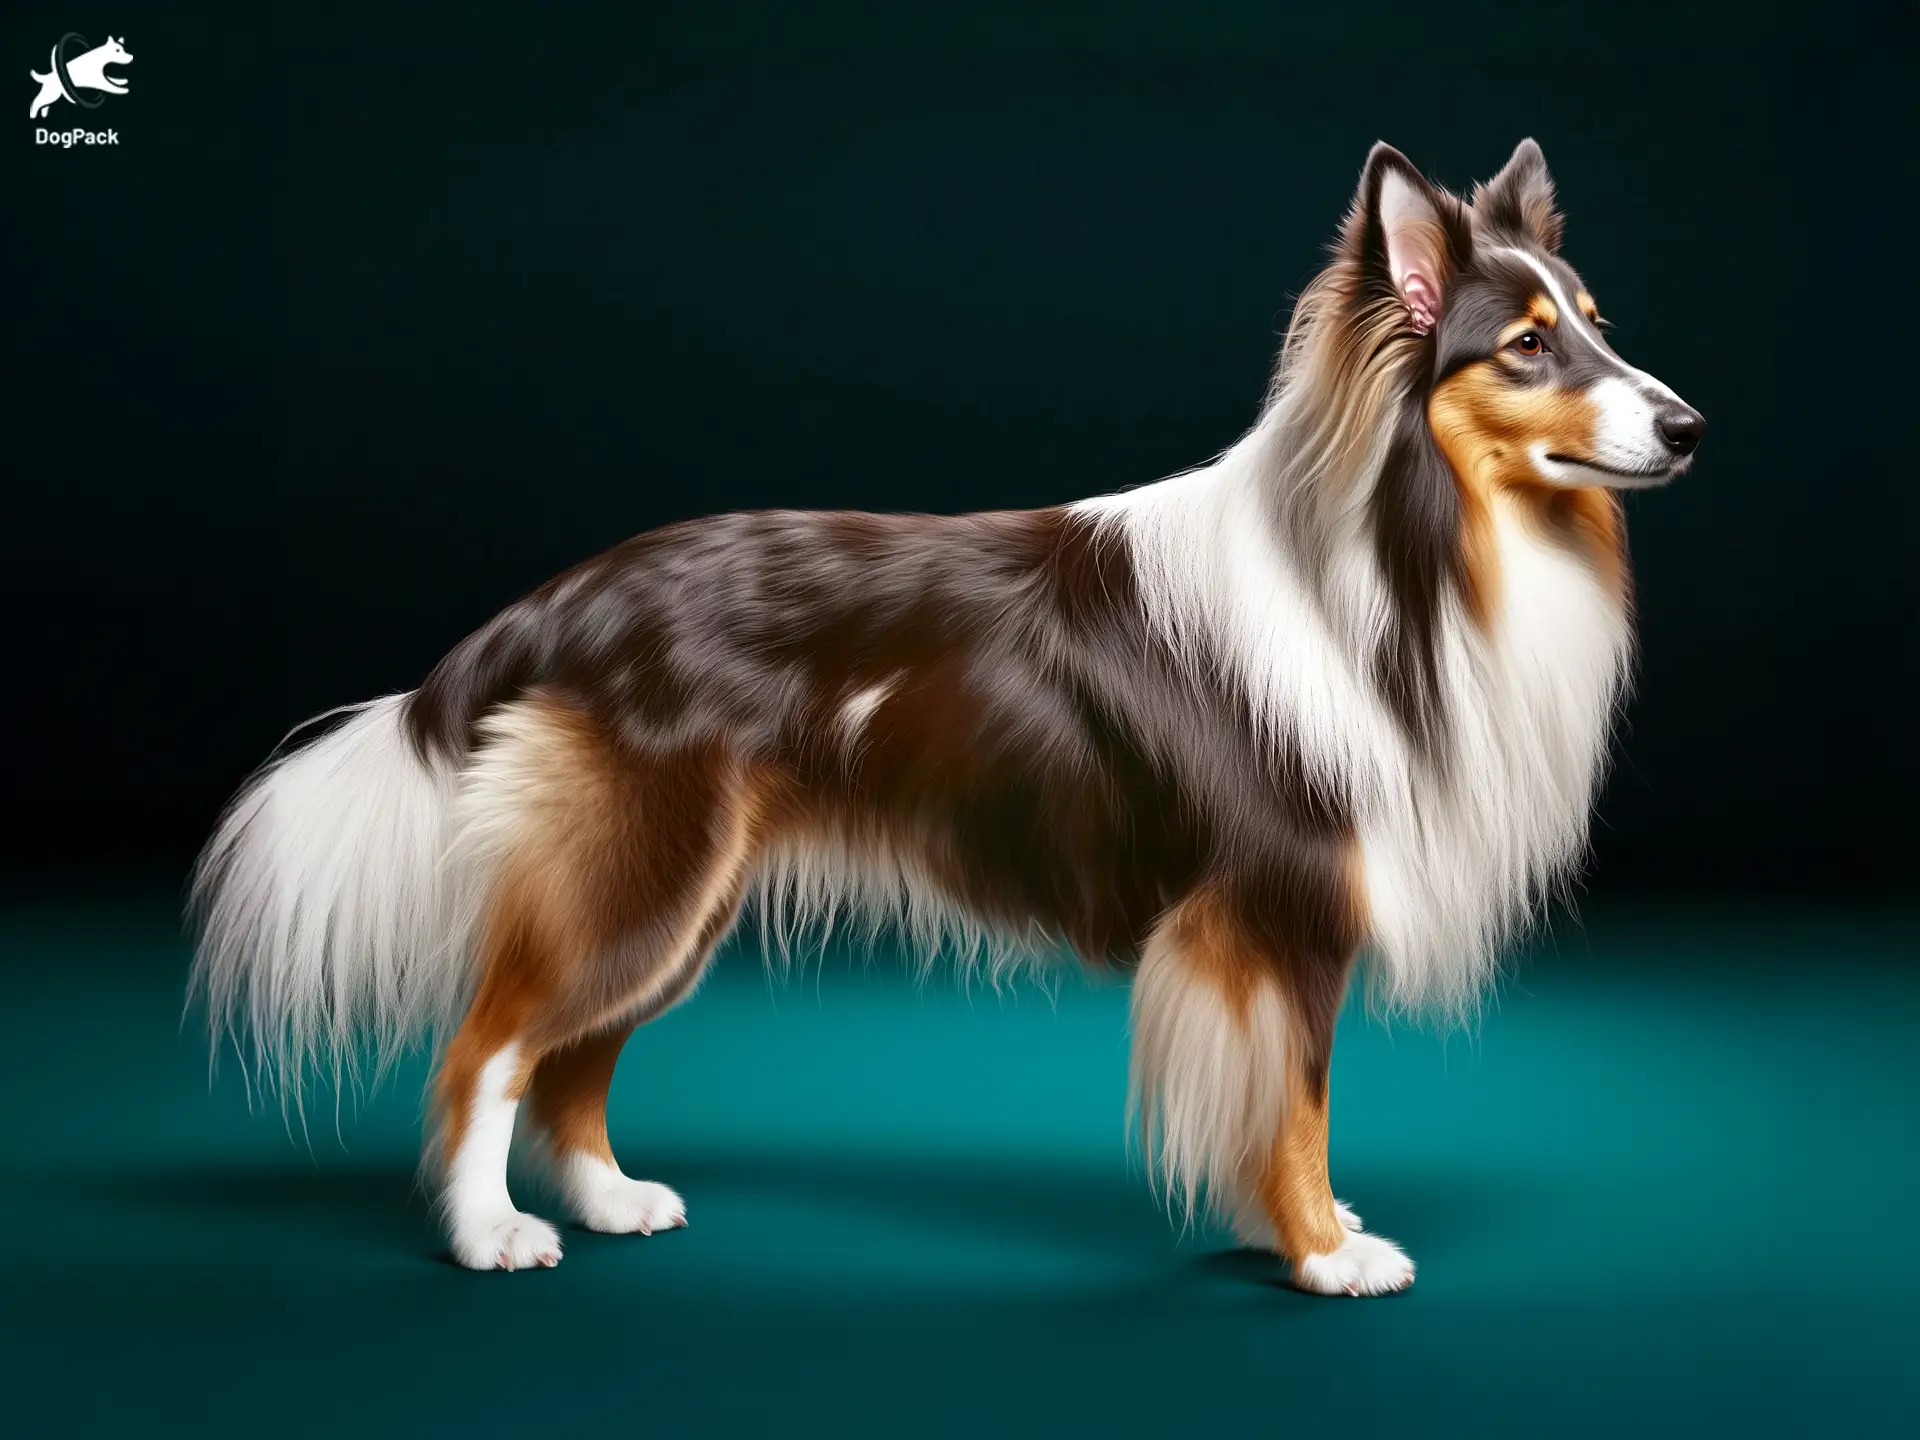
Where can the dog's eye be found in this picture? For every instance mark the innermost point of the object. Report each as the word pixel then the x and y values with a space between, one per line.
pixel 1528 342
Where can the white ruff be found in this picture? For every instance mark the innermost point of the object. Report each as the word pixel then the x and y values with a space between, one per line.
pixel 1456 856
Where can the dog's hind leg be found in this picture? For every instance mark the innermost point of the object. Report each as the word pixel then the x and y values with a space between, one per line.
pixel 568 1105
pixel 610 876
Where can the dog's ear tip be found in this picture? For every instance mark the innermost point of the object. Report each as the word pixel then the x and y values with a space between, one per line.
pixel 1527 157
pixel 1382 153
pixel 1520 197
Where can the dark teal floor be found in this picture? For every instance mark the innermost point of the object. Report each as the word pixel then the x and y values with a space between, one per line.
pixel 1668 1184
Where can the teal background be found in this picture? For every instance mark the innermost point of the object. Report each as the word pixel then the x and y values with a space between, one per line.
pixel 1665 1185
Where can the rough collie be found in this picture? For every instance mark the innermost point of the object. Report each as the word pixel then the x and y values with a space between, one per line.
pixel 1344 691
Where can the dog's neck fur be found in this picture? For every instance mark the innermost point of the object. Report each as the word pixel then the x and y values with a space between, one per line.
pixel 1263 567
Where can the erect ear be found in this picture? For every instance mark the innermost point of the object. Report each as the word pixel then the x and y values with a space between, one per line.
pixel 1412 237
pixel 1519 200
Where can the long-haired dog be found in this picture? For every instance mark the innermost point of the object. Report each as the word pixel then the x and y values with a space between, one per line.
pixel 1344 691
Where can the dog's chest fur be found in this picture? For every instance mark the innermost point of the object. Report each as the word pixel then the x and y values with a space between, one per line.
pixel 1455 848
pixel 1457 854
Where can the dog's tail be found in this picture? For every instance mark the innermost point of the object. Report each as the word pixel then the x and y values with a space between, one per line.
pixel 333 920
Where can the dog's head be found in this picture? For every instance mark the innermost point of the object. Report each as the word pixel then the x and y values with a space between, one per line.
pixel 1522 386
pixel 113 52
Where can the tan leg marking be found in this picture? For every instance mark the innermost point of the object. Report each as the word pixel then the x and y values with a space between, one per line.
pixel 568 1098
pixel 1294 1189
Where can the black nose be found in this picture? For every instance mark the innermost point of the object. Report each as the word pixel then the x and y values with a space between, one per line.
pixel 1681 426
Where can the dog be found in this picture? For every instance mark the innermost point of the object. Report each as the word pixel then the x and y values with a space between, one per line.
pixel 88 71
pixel 1345 691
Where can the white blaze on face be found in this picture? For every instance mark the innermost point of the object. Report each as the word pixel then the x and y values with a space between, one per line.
pixel 1627 448
pixel 1570 313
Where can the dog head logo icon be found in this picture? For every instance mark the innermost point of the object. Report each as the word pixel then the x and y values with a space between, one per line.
pixel 74 70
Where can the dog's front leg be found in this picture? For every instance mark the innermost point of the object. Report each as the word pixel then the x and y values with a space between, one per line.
pixel 1234 1011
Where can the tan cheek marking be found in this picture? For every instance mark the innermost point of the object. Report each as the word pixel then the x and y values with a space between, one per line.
pixel 1486 429
pixel 1488 426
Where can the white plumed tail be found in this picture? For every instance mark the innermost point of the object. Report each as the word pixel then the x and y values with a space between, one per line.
pixel 330 924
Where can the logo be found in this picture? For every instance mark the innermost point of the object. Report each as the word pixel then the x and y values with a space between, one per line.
pixel 74 72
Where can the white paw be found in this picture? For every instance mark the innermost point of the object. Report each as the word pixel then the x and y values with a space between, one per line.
pixel 605 1200
pixel 513 1241
pixel 1347 1217
pixel 1363 1265
pixel 632 1206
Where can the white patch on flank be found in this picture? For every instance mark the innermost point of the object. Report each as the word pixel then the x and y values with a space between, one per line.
pixel 1456 855
pixel 484 1230
pixel 326 913
pixel 1207 1086
pixel 859 706
pixel 1363 1265
pixel 603 1199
